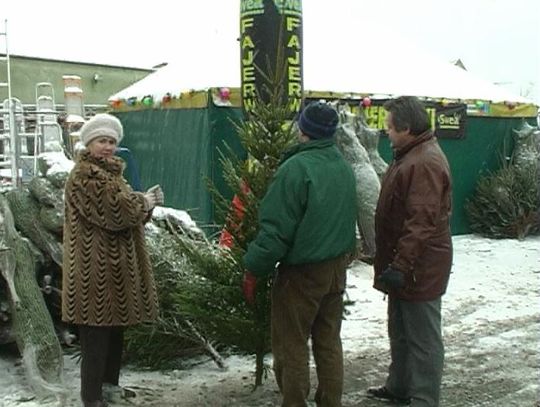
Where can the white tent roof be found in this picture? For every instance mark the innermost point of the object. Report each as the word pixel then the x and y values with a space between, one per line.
pixel 400 70
pixel 176 78
pixel 405 71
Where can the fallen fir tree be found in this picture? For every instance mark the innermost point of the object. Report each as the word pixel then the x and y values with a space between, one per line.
pixel 173 337
pixel 506 203
pixel 32 324
pixel 31 225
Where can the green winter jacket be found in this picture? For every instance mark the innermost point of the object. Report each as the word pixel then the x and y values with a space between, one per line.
pixel 308 214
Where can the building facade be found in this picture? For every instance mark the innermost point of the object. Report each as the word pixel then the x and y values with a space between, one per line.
pixel 98 82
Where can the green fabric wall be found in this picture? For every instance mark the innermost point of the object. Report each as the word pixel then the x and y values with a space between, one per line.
pixel 480 151
pixel 171 148
pixel 178 149
pixel 223 134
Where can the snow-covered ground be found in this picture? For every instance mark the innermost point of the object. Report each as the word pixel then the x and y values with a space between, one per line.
pixel 491 318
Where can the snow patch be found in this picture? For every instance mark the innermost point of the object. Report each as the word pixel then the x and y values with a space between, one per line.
pixel 492 281
pixel 182 217
pixel 57 162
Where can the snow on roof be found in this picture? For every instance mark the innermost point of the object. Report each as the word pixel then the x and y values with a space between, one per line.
pixel 368 69
pixel 191 74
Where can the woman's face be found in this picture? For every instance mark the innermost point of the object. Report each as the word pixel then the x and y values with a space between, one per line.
pixel 102 147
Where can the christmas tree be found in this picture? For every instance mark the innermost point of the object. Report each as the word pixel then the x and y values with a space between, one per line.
pixel 212 299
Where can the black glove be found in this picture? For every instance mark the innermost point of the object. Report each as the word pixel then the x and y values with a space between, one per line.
pixel 392 278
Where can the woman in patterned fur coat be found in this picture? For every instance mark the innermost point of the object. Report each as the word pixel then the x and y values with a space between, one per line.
pixel 107 276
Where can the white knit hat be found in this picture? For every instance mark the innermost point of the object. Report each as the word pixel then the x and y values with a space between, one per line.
pixel 102 124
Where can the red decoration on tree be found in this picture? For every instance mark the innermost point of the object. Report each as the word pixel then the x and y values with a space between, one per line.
pixel 226 238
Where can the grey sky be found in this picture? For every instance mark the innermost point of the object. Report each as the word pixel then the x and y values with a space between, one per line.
pixel 498 40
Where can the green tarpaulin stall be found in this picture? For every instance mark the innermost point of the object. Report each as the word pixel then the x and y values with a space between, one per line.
pixel 179 148
pixel 177 118
pixel 176 143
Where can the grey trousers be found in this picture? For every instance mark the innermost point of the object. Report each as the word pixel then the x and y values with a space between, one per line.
pixel 307 301
pixel 416 349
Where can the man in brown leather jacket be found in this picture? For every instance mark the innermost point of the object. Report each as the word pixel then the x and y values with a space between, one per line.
pixel 414 254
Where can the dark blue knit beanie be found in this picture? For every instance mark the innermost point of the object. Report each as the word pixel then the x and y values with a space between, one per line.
pixel 318 120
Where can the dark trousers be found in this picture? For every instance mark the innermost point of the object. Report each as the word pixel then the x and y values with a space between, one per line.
pixel 307 301
pixel 416 349
pixel 101 351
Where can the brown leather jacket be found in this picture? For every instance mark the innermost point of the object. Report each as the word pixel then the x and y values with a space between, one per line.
pixel 412 220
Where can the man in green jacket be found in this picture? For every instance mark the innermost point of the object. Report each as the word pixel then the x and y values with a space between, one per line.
pixel 307 222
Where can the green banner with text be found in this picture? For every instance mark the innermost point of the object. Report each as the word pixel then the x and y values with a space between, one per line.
pixel 447 120
pixel 271 39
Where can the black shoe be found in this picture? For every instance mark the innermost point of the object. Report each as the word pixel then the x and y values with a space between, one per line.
pixel 114 393
pixel 383 394
pixel 97 403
